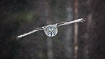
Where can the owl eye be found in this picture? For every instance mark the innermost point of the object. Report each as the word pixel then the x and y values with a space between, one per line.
pixel 49 31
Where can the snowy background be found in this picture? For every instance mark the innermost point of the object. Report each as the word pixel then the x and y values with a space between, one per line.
pixel 76 41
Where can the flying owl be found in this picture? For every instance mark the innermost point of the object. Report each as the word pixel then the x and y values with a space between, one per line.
pixel 50 30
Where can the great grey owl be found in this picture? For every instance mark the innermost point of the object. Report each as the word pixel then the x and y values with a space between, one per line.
pixel 50 30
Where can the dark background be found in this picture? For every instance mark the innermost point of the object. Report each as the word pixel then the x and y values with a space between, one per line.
pixel 21 16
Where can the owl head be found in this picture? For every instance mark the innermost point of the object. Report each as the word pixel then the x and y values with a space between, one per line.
pixel 50 30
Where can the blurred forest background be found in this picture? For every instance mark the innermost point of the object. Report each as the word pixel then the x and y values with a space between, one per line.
pixel 76 41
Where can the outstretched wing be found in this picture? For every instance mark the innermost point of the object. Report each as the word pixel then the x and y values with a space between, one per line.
pixel 70 22
pixel 25 34
pixel 42 28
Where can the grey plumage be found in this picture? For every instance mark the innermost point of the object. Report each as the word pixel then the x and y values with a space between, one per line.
pixel 50 30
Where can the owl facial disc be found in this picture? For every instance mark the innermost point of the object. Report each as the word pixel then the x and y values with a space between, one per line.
pixel 50 30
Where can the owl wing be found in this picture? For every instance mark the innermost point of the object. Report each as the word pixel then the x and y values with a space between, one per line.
pixel 25 34
pixel 70 22
pixel 57 25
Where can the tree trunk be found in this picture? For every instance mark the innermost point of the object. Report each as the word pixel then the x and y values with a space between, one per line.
pixel 48 21
pixel 76 30
pixel 91 33
pixel 69 30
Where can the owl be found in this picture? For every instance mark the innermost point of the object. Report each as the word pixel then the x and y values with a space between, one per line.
pixel 51 30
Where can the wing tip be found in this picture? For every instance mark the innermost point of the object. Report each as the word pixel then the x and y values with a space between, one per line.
pixel 82 19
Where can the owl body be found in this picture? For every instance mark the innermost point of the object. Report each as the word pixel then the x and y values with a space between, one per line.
pixel 50 30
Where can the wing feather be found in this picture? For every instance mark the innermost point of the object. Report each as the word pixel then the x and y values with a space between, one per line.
pixel 25 34
pixel 70 22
